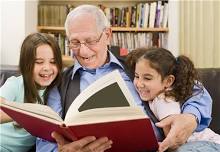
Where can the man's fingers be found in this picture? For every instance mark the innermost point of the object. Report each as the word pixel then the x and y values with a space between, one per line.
pixel 84 141
pixel 162 148
pixel 165 122
pixel 99 145
pixel 65 145
pixel 165 144
pixel 86 144
pixel 104 146
pixel 59 138
pixel 168 141
pixel 182 127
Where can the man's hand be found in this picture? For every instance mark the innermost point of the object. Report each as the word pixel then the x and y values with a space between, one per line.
pixel 182 126
pixel 86 144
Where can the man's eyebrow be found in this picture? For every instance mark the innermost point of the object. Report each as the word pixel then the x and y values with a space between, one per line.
pixel 74 40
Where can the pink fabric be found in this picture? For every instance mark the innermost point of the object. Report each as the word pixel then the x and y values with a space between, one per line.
pixel 205 135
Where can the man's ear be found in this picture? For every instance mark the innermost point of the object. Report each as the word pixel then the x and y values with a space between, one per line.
pixel 169 80
pixel 108 32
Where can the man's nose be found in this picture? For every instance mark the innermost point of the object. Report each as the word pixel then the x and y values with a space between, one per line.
pixel 83 50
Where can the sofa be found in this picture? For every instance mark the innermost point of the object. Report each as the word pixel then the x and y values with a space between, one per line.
pixel 210 77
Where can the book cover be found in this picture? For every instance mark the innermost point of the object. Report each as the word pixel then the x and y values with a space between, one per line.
pixel 89 115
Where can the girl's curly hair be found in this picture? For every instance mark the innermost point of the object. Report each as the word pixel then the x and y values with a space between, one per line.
pixel 163 61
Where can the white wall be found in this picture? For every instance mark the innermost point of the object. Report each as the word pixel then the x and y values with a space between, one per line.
pixel 30 16
pixel 173 26
pixel 18 18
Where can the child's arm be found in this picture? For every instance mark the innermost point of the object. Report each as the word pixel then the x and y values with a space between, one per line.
pixel 3 116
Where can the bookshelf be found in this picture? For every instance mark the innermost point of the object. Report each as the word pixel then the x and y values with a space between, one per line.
pixel 114 29
pixel 67 60
pixel 126 34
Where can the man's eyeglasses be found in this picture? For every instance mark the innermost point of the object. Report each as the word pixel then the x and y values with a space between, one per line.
pixel 90 43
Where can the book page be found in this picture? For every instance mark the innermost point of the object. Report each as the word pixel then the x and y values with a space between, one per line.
pixel 100 115
pixel 32 109
pixel 108 91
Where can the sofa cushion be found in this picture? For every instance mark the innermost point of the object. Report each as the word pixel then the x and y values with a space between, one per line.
pixel 7 71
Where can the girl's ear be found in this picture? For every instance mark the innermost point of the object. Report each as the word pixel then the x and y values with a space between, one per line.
pixel 169 80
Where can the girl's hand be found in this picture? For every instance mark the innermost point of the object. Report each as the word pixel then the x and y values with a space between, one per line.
pixel 4 118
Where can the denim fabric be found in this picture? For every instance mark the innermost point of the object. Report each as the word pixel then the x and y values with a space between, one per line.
pixel 199 146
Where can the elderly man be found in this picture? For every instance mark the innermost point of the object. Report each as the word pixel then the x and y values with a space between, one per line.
pixel 89 35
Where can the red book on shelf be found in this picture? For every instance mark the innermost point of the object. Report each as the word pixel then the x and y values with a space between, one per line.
pixel 123 51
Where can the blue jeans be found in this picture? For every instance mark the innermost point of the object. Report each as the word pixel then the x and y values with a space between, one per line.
pixel 199 146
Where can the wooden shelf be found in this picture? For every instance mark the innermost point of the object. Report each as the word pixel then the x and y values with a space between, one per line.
pixel 135 29
pixel 114 29
pixel 95 0
pixel 51 29
pixel 67 60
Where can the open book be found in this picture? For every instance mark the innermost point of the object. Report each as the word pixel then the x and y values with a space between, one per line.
pixel 116 117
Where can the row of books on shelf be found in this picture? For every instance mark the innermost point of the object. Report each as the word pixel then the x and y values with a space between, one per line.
pixel 53 15
pixel 125 40
pixel 63 44
pixel 131 40
pixel 141 15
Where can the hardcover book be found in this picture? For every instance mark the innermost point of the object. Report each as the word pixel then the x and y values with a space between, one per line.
pixel 119 119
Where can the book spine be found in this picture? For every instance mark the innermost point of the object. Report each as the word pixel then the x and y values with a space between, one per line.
pixel 67 132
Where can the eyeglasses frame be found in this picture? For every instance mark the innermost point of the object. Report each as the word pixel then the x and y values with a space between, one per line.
pixel 93 42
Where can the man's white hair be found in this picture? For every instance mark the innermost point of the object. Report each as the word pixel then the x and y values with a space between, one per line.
pixel 101 20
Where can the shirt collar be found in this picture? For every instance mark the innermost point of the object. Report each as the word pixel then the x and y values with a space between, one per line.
pixel 113 60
